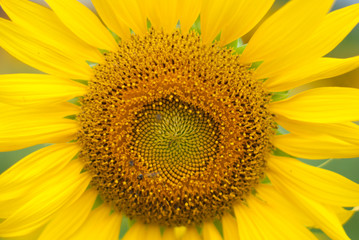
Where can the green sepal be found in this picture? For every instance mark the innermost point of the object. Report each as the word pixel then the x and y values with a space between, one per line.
pixel 197 25
pixel 115 36
pixel 84 82
pixel 149 25
pixel 265 180
pixel 98 202
pixel 94 64
pixel 71 117
pixel 126 224
pixel 277 96
pixel 280 153
pixel 219 226
pixel 237 45
pixel 255 65
pixel 76 101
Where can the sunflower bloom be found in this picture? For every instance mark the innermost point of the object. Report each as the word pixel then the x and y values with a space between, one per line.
pixel 159 116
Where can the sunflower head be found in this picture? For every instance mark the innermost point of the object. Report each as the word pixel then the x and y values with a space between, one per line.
pixel 174 131
pixel 177 123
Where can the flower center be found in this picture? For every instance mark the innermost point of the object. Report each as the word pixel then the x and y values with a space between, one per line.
pixel 173 131
pixel 173 140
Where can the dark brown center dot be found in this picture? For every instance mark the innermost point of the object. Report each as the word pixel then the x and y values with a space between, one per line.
pixel 173 131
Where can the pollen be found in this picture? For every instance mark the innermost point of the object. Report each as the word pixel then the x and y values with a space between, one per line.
pixel 174 131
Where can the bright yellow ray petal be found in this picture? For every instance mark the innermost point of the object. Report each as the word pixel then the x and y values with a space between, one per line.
pixel 180 231
pixel 68 220
pixel 324 218
pixel 320 68
pixel 320 105
pixel 331 31
pixel 162 14
pixel 249 227
pixel 101 224
pixel 109 17
pixel 214 14
pixel 84 23
pixel 230 229
pixel 131 13
pixel 260 221
pixel 342 214
pixel 17 183
pixel 191 233
pixel 247 15
pixel 25 127
pixel 319 184
pixel 37 89
pixel 153 232
pixel 19 43
pixel 169 234
pixel 210 232
pixel 31 236
pixel 39 164
pixel 46 27
pixel 315 147
pixel 285 29
pixel 137 231
pixel 281 204
pixel 58 192
pixel 348 131
pixel 188 12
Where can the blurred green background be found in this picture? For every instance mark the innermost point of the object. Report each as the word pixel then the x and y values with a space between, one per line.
pixel 348 48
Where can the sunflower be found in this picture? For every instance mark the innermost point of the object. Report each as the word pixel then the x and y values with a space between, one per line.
pixel 161 119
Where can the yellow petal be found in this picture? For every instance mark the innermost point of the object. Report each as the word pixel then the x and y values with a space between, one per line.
pixel 37 165
pixel 191 233
pixel 320 68
pixel 84 23
pixel 37 89
pixel 131 13
pixel 58 192
pixel 230 229
pixel 137 231
pixel 19 43
pixel 247 15
pixel 162 14
pixel 68 220
pixel 210 232
pixel 25 127
pixel 331 31
pixel 180 231
pixel 188 12
pixel 153 232
pixel 319 184
pixel 320 105
pixel 315 147
pixel 342 214
pixel 17 183
pixel 249 227
pixel 260 221
pixel 324 218
pixel 46 27
pixel 285 29
pixel 109 16
pixel 101 224
pixel 169 234
pixel 31 236
pixel 214 14
pixel 282 205
pixel 348 131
